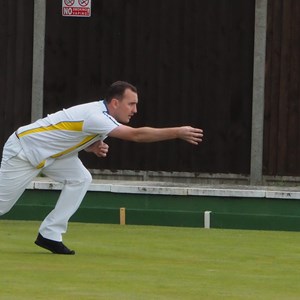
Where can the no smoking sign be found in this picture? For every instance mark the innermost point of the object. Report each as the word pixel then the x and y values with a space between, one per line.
pixel 76 8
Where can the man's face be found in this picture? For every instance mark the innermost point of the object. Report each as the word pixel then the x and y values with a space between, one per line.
pixel 124 109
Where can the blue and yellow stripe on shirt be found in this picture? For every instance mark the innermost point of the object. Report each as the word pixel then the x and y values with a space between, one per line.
pixel 68 126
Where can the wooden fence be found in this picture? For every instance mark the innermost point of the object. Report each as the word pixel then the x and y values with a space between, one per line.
pixel 192 62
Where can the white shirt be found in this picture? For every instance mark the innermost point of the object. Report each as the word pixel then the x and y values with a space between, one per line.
pixel 65 132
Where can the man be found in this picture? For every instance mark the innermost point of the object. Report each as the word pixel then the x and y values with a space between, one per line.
pixel 51 145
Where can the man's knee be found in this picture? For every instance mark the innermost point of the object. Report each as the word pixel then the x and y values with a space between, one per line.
pixel 88 178
pixel 85 178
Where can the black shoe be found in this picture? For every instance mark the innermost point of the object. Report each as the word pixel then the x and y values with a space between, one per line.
pixel 53 246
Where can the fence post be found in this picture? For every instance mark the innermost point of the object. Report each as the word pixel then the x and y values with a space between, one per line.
pixel 39 23
pixel 258 100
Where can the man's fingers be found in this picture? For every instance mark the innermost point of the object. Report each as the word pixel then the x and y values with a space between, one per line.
pixel 103 145
pixel 194 135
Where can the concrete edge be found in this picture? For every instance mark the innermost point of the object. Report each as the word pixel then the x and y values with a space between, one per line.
pixel 165 188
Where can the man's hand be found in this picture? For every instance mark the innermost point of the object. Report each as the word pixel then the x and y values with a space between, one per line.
pixel 190 134
pixel 99 148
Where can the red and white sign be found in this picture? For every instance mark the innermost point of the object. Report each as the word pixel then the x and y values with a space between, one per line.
pixel 76 8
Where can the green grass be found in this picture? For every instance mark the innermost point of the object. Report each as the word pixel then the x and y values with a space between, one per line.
pixel 145 262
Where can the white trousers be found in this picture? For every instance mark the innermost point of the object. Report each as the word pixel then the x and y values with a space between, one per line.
pixel 16 173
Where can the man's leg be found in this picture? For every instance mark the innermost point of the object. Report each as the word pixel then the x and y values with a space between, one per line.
pixel 15 175
pixel 76 179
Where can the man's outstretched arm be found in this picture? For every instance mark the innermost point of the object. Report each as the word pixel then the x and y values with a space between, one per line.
pixel 149 134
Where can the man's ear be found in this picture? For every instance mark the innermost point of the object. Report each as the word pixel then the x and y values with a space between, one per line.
pixel 114 102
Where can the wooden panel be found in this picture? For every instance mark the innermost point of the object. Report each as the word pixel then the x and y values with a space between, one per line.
pixel 16 25
pixel 282 113
pixel 191 61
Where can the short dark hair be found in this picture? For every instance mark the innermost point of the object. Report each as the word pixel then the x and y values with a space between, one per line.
pixel 117 89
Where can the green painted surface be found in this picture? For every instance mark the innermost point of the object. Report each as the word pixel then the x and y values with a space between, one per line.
pixel 167 210
pixel 264 222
